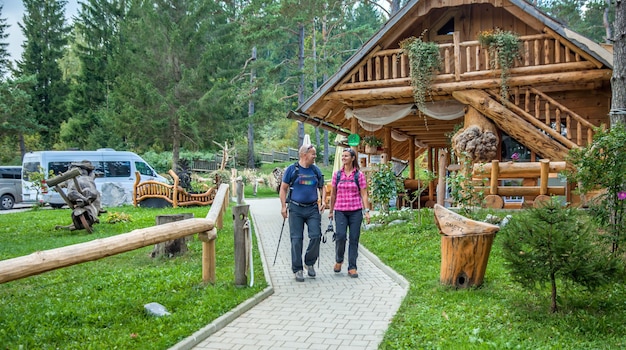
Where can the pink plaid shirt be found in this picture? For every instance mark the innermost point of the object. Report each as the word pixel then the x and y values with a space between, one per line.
pixel 348 195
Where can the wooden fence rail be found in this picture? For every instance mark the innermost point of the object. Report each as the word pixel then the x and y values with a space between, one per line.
pixel 536 173
pixel 47 260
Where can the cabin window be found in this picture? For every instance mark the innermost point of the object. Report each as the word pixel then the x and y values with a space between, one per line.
pixel 510 146
pixel 447 29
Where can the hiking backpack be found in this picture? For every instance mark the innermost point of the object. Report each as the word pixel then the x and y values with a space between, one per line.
pixel 356 179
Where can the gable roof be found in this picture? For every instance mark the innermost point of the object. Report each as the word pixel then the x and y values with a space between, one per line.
pixel 593 49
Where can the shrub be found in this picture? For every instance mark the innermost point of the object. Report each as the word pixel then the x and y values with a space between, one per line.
pixel 553 242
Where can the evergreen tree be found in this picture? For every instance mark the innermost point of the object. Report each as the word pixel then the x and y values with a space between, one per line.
pixel 46 35
pixel 17 117
pixel 174 69
pixel 552 243
pixel 92 48
pixel 5 64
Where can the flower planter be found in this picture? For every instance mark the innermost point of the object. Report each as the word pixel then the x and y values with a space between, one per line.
pixel 371 149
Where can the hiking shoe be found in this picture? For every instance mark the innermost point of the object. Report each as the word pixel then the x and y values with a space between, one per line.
pixel 310 270
pixel 352 273
pixel 337 267
pixel 299 276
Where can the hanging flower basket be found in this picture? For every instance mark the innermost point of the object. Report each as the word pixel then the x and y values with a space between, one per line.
pixel 371 144
pixel 371 149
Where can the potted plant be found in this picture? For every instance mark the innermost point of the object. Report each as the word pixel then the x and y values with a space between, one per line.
pixel 384 186
pixel 503 48
pixel 372 143
pixel 424 61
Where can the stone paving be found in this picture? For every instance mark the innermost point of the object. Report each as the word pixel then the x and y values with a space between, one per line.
pixel 332 311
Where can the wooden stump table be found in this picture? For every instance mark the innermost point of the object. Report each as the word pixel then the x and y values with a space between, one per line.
pixel 465 248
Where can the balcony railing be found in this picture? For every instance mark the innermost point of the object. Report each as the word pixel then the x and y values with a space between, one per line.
pixel 466 60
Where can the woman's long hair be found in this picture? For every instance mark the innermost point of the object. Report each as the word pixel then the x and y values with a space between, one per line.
pixel 355 160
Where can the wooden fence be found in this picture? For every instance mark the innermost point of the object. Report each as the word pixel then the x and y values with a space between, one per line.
pixel 535 177
pixel 47 260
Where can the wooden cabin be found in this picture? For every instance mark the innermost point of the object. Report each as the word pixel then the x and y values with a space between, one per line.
pixel 558 89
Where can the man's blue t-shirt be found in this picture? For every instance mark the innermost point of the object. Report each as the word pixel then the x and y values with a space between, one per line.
pixel 305 186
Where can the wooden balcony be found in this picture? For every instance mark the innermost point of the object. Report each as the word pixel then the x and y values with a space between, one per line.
pixel 468 60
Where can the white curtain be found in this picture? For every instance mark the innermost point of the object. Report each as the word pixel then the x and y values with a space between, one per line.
pixel 373 118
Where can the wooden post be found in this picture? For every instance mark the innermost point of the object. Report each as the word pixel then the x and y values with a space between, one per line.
pixel 175 246
pixel 240 218
pixel 543 177
pixel 493 200
pixel 441 184
pixel 239 190
pixel 465 248
pixel 208 255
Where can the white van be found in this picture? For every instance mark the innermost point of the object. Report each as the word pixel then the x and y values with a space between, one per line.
pixel 112 167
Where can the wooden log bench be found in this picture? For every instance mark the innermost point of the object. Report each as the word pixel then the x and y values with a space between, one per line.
pixel 173 194
pixel 534 175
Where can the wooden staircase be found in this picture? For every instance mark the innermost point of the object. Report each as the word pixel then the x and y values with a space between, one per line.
pixel 533 118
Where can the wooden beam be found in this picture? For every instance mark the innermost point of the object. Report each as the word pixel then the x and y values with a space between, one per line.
pixel 512 124
pixel 393 93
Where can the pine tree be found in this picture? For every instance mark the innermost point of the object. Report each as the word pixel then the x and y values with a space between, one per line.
pixel 5 64
pixel 46 35
pixel 552 243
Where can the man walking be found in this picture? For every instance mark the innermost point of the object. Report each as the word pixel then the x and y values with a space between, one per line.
pixel 300 190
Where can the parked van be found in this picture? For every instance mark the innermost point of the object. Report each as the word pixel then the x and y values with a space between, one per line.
pixel 10 186
pixel 112 167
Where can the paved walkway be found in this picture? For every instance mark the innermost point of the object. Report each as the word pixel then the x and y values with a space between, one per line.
pixel 332 311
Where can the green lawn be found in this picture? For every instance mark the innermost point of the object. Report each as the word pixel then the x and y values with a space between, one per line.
pixel 100 304
pixel 497 315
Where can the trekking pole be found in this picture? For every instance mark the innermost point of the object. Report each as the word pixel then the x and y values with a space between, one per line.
pixel 279 238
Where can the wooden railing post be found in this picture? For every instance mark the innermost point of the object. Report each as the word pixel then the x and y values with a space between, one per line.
pixel 242 246
pixel 209 260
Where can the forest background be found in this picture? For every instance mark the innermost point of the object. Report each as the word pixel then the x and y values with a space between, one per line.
pixel 186 76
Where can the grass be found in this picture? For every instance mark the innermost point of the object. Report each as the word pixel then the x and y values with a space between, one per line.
pixel 497 315
pixel 99 304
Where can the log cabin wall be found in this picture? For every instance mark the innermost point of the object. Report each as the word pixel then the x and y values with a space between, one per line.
pixel 559 88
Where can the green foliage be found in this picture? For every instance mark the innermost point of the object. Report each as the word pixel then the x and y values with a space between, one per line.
pixel 424 60
pixel 504 48
pixel 116 217
pixel 38 183
pixel 501 314
pixel 602 165
pixel 463 188
pixel 551 243
pixel 372 140
pixel 39 59
pixel 99 304
pixel 384 185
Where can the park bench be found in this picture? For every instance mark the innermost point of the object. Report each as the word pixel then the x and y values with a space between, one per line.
pixel 173 194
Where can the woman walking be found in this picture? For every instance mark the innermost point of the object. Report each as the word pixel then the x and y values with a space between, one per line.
pixel 348 198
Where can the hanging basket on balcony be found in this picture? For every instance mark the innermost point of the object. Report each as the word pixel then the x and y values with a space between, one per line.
pixel 424 61
pixel 503 47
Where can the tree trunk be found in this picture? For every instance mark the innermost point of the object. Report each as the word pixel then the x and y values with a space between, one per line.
pixel 618 107
pixel 301 85
pixel 175 141
pixel 553 307
pixel 176 246
pixel 250 162
pixel 465 248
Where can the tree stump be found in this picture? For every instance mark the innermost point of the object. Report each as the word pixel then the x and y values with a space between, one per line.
pixel 176 246
pixel 465 248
